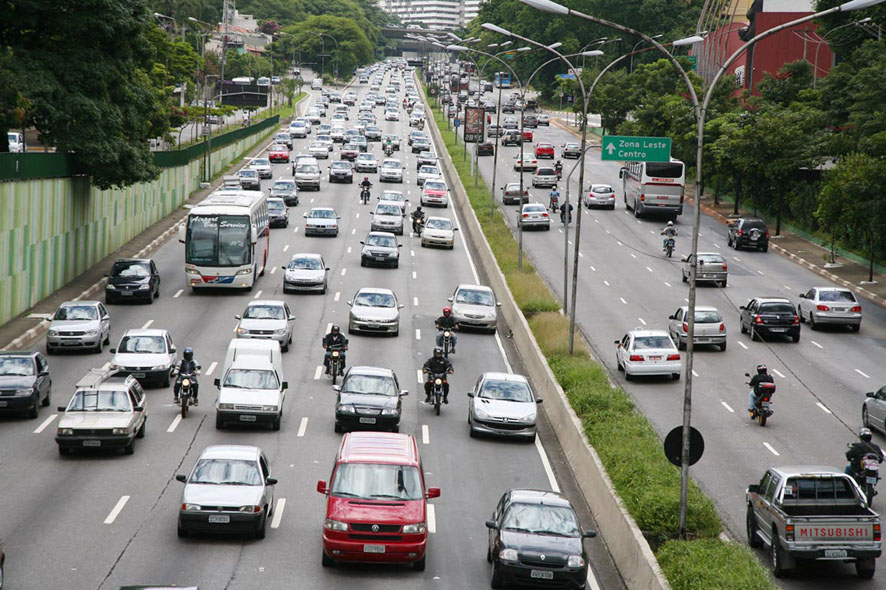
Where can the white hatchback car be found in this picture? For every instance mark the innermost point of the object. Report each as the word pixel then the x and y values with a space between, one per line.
pixel 648 352
pixel 426 173
pixel 474 306
pixel 600 195
pixel 438 231
pixel 391 171
pixel 387 216
pixel 147 355
pixel 266 319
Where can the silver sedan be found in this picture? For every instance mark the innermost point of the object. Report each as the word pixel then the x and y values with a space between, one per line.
pixel 270 320
pixel 503 404
pixel 830 305
pixel 79 324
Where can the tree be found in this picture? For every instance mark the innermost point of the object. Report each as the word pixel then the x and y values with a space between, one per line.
pixel 784 87
pixel 354 48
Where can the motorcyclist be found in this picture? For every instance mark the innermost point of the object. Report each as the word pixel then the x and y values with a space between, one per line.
pixel 437 365
pixel 418 216
pixel 859 449
pixel 389 146
pixel 554 202
pixel 563 212
pixel 762 376
pixel 446 322
pixel 335 340
pixel 365 186
pixel 668 232
pixel 558 166
pixel 188 366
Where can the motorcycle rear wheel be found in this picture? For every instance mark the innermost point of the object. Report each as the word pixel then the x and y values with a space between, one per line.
pixel 184 404
pixel 762 419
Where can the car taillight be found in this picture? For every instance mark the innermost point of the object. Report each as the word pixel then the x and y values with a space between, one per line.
pixel 642 198
pixel 673 357
pixel 767 234
pixel 636 358
pixel 856 309
pixel 681 199
pixel 877 532
pixel 685 327
pixel 724 266
pixel 758 319
pixel 789 532
pixel 822 308
pixel 722 327
pixel 525 215
pixel 739 232
pixel 545 215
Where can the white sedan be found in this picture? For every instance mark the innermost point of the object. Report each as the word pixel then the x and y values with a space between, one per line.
pixel 366 163
pixel 438 231
pixel 648 352
pixel 321 221
pixel 526 161
pixel 426 173
pixel 318 150
pixel 392 115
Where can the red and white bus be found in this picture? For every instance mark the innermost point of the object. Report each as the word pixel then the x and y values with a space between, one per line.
pixel 654 187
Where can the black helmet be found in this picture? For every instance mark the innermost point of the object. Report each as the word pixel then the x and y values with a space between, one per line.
pixel 438 352
pixel 189 354
pixel 865 434
pixel 334 329
pixel 761 369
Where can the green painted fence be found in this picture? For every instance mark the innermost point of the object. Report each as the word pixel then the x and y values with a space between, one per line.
pixel 54 226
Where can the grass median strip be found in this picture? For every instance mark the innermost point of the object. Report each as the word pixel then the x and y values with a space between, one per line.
pixel 627 444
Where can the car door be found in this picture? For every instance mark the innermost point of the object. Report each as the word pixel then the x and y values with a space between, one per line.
pixel 877 408
pixel 137 397
pixel 621 350
pixel 493 534
pixel 808 302
pixel 44 381
pixel 289 319
pixel 170 349
pixel 759 501
pixel 746 312
pixel 105 322
pixel 268 491
pixel 675 324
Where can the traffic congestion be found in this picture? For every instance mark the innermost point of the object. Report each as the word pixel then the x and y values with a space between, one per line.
pixel 307 378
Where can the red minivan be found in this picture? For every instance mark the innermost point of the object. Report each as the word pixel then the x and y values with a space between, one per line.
pixel 376 508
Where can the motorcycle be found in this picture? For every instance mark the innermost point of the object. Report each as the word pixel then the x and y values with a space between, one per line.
pixel 555 202
pixel 364 196
pixel 868 476
pixel 336 365
pixel 418 225
pixel 439 379
pixel 389 150
pixel 763 393
pixel 669 246
pixel 559 170
pixel 185 393
pixel 447 342
pixel 565 218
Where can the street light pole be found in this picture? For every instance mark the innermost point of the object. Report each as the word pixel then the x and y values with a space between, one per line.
pixel 822 42
pixel 634 48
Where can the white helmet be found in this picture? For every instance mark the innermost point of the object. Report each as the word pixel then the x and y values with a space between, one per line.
pixel 670 224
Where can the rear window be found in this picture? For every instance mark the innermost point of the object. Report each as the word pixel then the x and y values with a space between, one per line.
pixel 648 342
pixel 710 259
pixel 664 169
pixel 753 224
pixel 818 488
pixel 837 296
pixel 777 308
pixel 707 317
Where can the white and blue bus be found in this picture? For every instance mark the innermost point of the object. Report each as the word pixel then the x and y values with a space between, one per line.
pixel 226 238
pixel 502 79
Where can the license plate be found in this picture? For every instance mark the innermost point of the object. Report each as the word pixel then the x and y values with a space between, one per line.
pixel 541 575
pixel 777 329
pixel 367 420
pixel 655 358
pixel 126 293
pixel 707 276
pixel 219 519
pixel 835 553
pixel 247 418
pixel 753 239
pixel 3 404
pixel 840 309
pixel 373 548
pixel 871 480
pixel 380 259
pixel 138 375
pixel 702 340
pixel 92 443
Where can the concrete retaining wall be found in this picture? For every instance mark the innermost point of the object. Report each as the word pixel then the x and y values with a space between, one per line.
pixel 630 551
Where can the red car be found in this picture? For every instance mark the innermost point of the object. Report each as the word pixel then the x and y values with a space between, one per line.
pixel 544 150
pixel 278 153
pixel 376 507
pixel 527 135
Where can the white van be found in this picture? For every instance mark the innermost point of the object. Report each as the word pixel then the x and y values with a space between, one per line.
pixel 251 389
pixel 16 142
pixel 317 84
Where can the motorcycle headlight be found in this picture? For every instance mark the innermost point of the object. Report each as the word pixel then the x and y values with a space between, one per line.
pixel 389 412
pixel 412 529
pixel 335 525
pixel 65 431
pixel 575 561
pixel 186 382
pixel 120 431
pixel 346 409
pixel 25 391
pixel 508 555
pixel 438 381
pixel 447 333
pixel 191 507
pixel 270 408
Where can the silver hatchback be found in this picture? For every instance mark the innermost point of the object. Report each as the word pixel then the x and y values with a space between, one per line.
pixel 503 404
pixel 78 325
pixel 711 268
pixel 709 327
pixel 270 320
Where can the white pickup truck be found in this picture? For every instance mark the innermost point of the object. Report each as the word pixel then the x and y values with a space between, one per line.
pixel 812 514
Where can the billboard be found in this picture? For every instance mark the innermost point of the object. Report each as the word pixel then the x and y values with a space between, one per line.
pixel 244 95
pixel 475 117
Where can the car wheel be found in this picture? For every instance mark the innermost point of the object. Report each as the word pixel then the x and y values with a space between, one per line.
pixel 754 540
pixel 865 419
pixel 261 531
pixel 812 325
pixel 675 376
pixel 182 533
pixel 497 580
pixel 628 376
pixel 753 333
pixel 98 347
pixel 49 350
pixel 219 423
pixel 765 248
pixel 680 344
pixel 685 278
pixel 796 337
pixel 46 401
pixel 275 425
pixel 129 449
pixel 35 411
pixel 64 451
pixel 141 431
pixel 326 560
pixel 166 380
pixel 338 428
pixel 855 327
pixel 723 347
pixel 419 565
pixel 777 557
pixel 285 347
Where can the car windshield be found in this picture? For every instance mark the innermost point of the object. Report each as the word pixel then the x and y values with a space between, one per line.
pixel 305 264
pixel 370 481
pixel 76 312
pixel 438 224
pixel 131 270
pixel 317 146
pixel 776 308
pixel 474 297
pixel 351 146
pixel 388 210
pixel 251 379
pixel 652 342
pixel 218 240
pixel 264 312
pixel 91 400
pixel 248 173
pixel 283 135
pixel 322 213
pixel 435 185
pixel 391 164
pixel 837 296
pixel 366 157
pixel 276 206
pixel 284 185
pixel 308 168
pixel 16 367
pixel 341 166
pixel 383 241
pixel 540 519
pixel 369 384
pixel 707 316
pixel 230 472
pixel 512 391
pixel 375 300
pixel 261 162
pixel 572 146
pixel 429 170
pixel 142 345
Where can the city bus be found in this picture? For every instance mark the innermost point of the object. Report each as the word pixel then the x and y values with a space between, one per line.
pixel 226 238
pixel 502 79
pixel 654 187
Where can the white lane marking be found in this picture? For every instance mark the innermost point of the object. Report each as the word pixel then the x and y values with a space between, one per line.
pixel 581 254
pixel 633 255
pixel 302 426
pixel 344 271
pixel 570 243
pixel 694 374
pixel 814 343
pixel 106 365
pixel 777 372
pixel 865 375
pixel 286 247
pixel 312 200
pixel 417 334
pixel 257 295
pixel 667 283
pixel 337 296
pixel 295 231
pixel 147 324
pixel 278 512
pixel 419 377
pixel 592 579
pixel 725 405
pixel 771 450
pixel 318 372
pixel 642 321
pixel 619 243
pixel 686 300
pixel 357 216
pixel 425 435
pixel 177 293
pixel 349 249
pixel 353 231
pixel 117 509
pixel 432 519
pixel 412 252
pixel 598 221
pixel 593 269
pixel 786 287
pixel 608 232
pixel 414 276
pixel 649 269
pixel 823 407
pixel 742 344
pixel 45 423
pixel 560 230
pixel 622 299
pixel 546 464
pixel 273 269
pixel 736 258
pixel 716 245
pixel 175 422
pixel 415 301
pixel 605 282
pixel 761 272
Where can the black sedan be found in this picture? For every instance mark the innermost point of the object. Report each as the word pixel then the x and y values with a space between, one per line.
pixel 25 384
pixel 766 317
pixel 535 539
pixel 368 399
pixel 341 171
pixel 133 278
pixel 487 148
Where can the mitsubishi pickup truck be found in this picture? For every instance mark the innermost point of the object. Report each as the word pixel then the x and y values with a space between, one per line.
pixel 811 513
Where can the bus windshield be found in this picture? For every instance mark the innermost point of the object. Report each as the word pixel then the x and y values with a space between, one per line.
pixel 218 240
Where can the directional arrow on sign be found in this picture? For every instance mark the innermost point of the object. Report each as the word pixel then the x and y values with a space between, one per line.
pixel 610 148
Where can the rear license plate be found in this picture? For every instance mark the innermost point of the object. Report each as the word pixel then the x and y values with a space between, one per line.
pixel 367 420
pixel 840 309
pixel 654 358
pixel 3 404
pixel 777 329
pixel 373 548
pixel 541 575
pixel 219 519
pixel 247 418
pixel 707 276
pixel 753 239
pixel 138 375
pixel 871 480
pixel 702 340
pixel 92 443
pixel 835 553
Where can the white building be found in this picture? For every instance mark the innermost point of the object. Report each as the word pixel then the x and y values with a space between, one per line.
pixel 437 15
pixel 470 8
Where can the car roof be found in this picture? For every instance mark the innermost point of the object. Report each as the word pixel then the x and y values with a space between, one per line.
pixel 142 260
pixel 78 303
pixel 380 290
pixel 268 302
pixel 367 370
pixel 306 255
pixel 322 209
pixel 795 470
pixel 279 178
pixel 378 447
pixel 381 233
pixel 701 308
pixel 276 200
pixel 546 497
pixel 18 353
pixel 497 376
pixel 148 332
pixel 641 333
pixel 253 363
pixel 430 217
pixel 474 287
pixel 772 299
pixel 231 452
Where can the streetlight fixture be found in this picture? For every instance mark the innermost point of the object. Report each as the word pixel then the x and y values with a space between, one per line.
pixel 634 48
pixel 822 41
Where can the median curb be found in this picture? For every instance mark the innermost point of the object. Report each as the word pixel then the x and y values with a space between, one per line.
pixel 631 553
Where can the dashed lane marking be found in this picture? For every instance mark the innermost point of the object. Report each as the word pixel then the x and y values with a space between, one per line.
pixel 667 283
pixel 777 372
pixel 622 299
pixel 863 374
pixel 175 422
pixel 414 276
pixel 147 324
pixel 302 426
pixel 278 513
pixel 415 301
pixel 116 510
pixel 317 372
pixel 257 295
pixel 605 282
pixel 771 450
pixel 178 293
pixel 425 435
pixel 337 296
pixel 211 368
pixel 742 344
pixel 816 344
pixel 45 424
pixel 344 271
pixel 694 374
pixel 419 377
pixel 728 407
pixel 273 269
pixel 649 269
pixel 823 407
pixel 417 334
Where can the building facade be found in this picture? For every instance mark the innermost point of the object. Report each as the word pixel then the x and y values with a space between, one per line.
pixel 435 15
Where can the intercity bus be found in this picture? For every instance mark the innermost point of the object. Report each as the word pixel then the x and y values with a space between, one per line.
pixel 654 187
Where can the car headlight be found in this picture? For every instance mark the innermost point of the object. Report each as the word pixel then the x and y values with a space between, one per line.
pixel 480 412
pixel 120 431
pixel 24 391
pixel 91 332
pixel 110 287
pixel 53 332
pixel 225 406
pixel 244 271
pixel 389 412
pixel 159 367
pixel 346 409
pixel 508 555
pixel 335 525
pixel 143 287
pixel 412 529
pixel 114 366
pixel 65 431
pixel 270 408
pixel 191 507
pixel 280 332
pixel 241 330
pixel 575 561
pixel 250 508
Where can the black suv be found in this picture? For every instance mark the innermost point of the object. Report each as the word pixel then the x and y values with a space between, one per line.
pixel 133 278
pixel 769 316
pixel 25 384
pixel 748 233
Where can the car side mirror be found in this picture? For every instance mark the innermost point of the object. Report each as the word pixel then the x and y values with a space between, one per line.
pixel 399 245
pixel 498 304
pixel 336 387
pixel 271 481
pixel 62 408
pixel 433 493
pixel 869 394
pixel 112 350
pixel 672 316
pixel 139 408
pixel 589 534
pixel 490 524
pixel 362 243
pixel 802 295
pixel 754 488
pixel 322 487
pixel 618 342
pixel 538 400
pixel 181 478
pixel 172 350
pixel 286 385
pixel 305 215
pixel 684 258
pixel 350 303
pixel 400 306
pixel 237 317
pixel 217 383
pixel 741 307
pixel 404 393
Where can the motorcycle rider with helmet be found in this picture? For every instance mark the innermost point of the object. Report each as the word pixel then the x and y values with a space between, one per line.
pixel 335 340
pixel 558 167
pixel 859 449
pixel 762 376
pixel 418 216
pixel 443 323
pixel 187 366
pixel 566 212
pixel 554 199
pixel 668 232
pixel 364 187
pixel 437 365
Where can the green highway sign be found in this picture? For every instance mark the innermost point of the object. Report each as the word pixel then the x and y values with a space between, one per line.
pixel 641 149
pixel 693 61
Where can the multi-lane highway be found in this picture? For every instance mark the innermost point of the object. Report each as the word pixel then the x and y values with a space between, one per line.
pixel 625 281
pixel 100 521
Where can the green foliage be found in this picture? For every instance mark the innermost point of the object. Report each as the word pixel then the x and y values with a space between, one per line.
pixel 246 64
pixel 354 47
pixel 713 565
